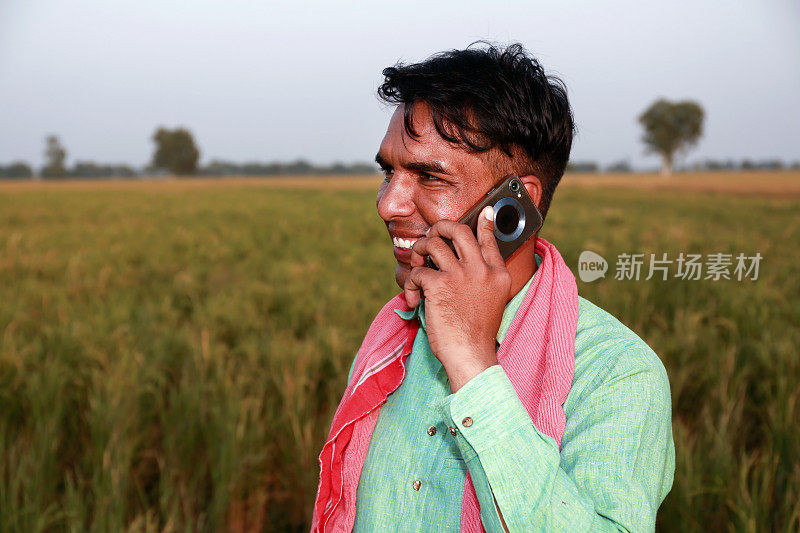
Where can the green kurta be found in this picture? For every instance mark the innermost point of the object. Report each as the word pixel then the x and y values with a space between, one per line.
pixel 617 456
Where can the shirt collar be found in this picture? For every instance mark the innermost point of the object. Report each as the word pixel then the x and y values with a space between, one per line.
pixel 508 313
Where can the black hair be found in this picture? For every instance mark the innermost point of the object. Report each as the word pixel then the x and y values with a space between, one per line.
pixel 487 97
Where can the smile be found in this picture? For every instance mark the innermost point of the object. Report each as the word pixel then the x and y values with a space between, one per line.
pixel 404 244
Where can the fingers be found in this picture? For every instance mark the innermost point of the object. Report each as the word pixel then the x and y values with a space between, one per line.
pixel 486 240
pixel 415 284
pixel 437 249
pixel 463 240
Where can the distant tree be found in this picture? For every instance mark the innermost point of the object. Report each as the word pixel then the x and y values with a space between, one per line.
pixel 299 167
pixel 16 170
pixel 712 164
pixel 253 168
pixel 220 168
pixel 670 128
pixel 582 166
pixel 620 167
pixel 90 169
pixel 362 168
pixel 770 164
pixel 175 151
pixel 54 155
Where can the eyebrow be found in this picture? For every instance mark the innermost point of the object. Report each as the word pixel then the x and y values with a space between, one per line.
pixel 434 167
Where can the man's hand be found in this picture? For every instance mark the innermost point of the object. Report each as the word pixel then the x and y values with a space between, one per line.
pixel 464 299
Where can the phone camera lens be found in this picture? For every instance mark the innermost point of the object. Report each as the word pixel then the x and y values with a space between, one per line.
pixel 507 219
pixel 514 186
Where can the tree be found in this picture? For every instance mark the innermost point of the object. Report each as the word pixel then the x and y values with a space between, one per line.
pixel 619 167
pixel 175 151
pixel 583 166
pixel 54 155
pixel 90 169
pixel 670 128
pixel 16 170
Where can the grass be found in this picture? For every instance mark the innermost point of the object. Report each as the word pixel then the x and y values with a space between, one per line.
pixel 171 353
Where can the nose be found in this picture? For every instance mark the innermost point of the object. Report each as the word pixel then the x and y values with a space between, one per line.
pixel 396 198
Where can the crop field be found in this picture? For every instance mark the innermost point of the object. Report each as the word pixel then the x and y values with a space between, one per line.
pixel 172 351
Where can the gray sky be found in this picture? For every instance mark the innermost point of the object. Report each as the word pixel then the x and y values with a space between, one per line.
pixel 260 80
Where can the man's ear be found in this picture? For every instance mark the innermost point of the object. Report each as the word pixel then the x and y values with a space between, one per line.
pixel 534 187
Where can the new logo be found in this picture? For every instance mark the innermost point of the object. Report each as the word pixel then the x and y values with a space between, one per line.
pixel 591 266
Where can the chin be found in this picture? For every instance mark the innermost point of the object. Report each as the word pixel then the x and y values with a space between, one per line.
pixel 401 274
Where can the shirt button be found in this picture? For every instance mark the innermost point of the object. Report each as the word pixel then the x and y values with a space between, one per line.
pixel 432 430
pixel 453 431
pixel 467 422
pixel 416 485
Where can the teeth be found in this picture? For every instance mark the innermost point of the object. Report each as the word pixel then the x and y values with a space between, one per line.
pixel 403 243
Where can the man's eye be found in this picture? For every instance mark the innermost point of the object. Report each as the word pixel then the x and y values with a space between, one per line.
pixel 427 177
pixel 387 173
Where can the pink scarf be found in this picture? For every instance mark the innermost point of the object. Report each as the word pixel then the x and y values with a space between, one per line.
pixel 537 354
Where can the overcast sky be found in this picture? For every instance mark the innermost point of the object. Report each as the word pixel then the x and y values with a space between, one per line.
pixel 260 80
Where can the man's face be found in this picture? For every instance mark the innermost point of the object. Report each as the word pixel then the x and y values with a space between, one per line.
pixel 427 180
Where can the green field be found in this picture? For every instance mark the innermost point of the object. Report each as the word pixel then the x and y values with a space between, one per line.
pixel 171 354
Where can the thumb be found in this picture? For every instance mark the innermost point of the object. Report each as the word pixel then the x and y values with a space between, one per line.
pixel 489 249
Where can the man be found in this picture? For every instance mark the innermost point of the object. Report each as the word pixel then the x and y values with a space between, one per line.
pixel 488 395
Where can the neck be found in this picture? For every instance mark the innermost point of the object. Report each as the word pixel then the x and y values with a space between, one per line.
pixel 522 265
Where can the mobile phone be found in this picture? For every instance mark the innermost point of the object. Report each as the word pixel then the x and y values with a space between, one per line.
pixel 516 217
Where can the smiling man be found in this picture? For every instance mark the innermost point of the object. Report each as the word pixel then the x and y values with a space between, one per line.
pixel 488 395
